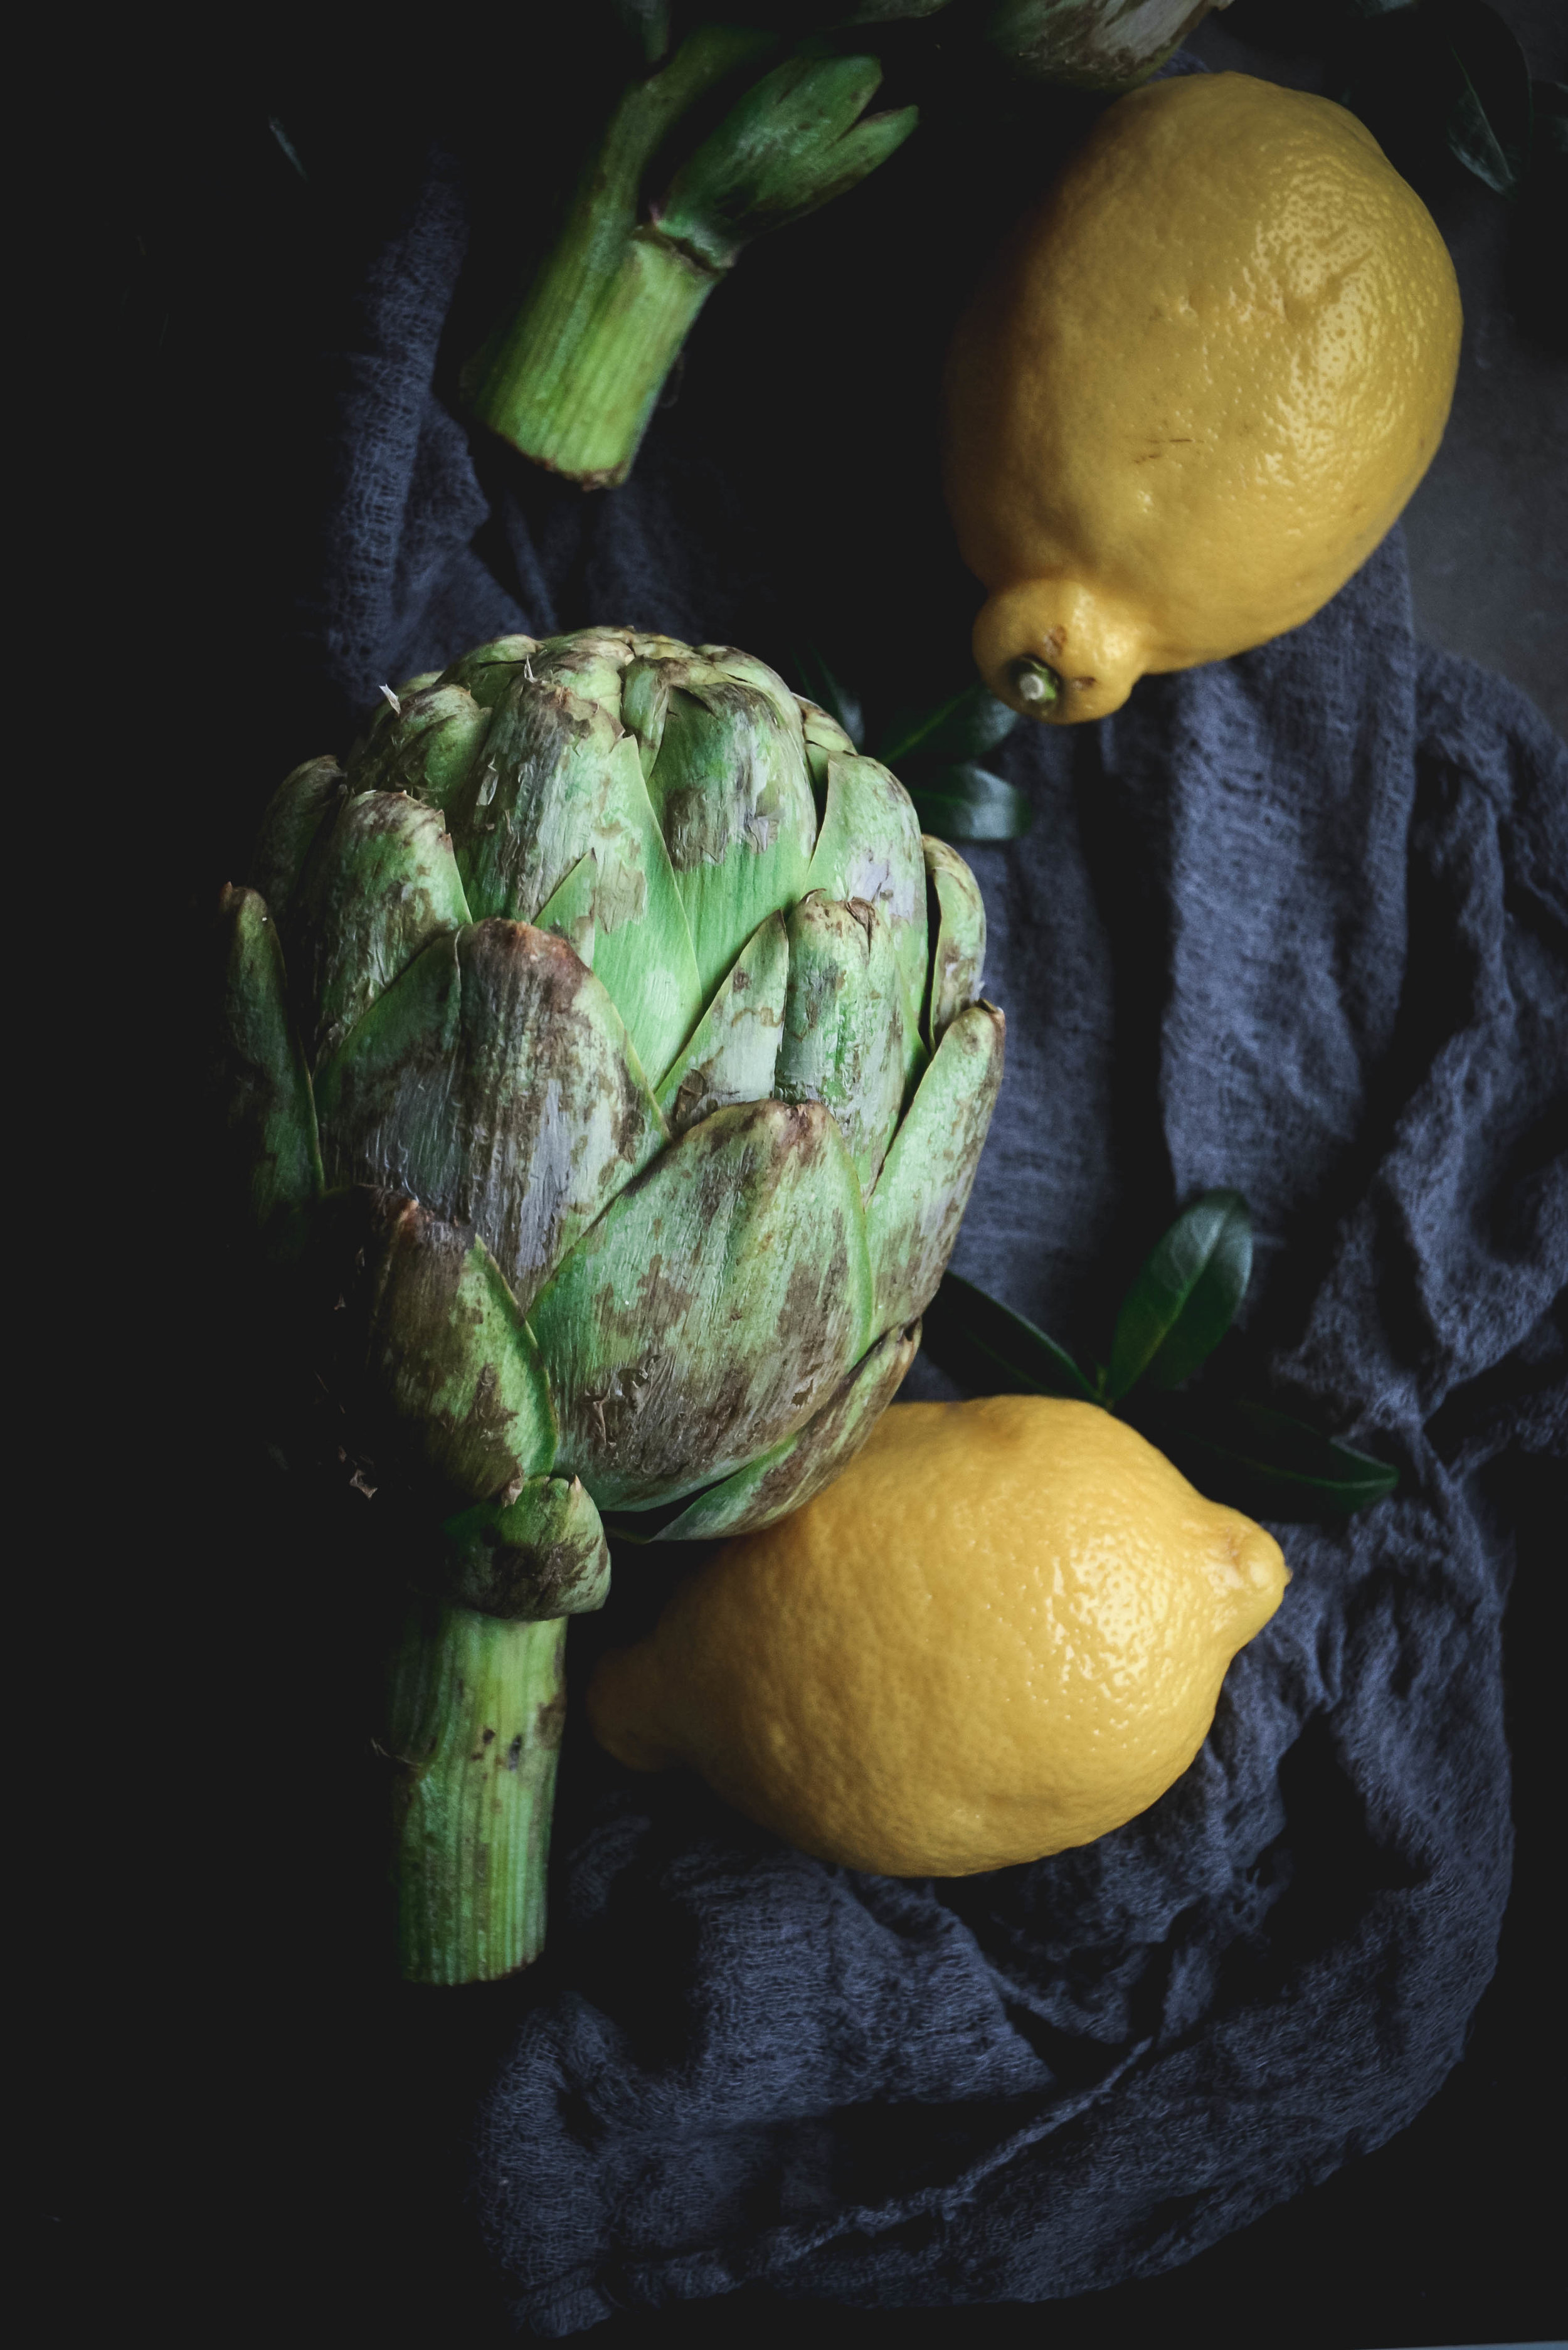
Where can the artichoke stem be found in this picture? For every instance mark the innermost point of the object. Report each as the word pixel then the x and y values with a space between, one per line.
pixel 476 1709
pixel 573 376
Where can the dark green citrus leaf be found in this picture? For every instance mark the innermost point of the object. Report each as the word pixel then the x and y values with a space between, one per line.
pixel 1185 1296
pixel 988 1348
pixel 1276 1466
pixel 1489 125
pixel 969 804
pixel 810 675
pixel 964 725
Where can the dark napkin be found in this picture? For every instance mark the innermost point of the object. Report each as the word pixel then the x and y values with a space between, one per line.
pixel 1298 924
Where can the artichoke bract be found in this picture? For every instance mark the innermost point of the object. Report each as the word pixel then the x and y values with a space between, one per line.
pixel 613 1033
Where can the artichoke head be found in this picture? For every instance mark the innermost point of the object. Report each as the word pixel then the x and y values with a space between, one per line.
pixel 612 1020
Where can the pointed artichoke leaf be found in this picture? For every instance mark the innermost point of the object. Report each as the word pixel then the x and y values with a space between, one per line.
pixel 825 740
pixel 734 1051
pixel 570 910
pixel 496 1082
pixel 912 1218
pixel 957 963
pixel 454 1373
pixel 642 944
pixel 378 891
pixel 261 1079
pixel 732 797
pixel 539 1555
pixel 869 847
pixel 297 813
pixel 785 1478
pixel 489 669
pixel 712 1309
pixel 426 749
pixel 644 706
pixel 527 810
pixel 846 1039
pixel 559 780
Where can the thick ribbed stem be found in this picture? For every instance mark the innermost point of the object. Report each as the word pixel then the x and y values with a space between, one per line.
pixel 572 379
pixel 477 1707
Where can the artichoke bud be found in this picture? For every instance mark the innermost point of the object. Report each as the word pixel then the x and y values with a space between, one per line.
pixel 302 808
pixel 632 990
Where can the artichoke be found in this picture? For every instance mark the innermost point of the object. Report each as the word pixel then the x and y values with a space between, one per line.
pixel 607 1041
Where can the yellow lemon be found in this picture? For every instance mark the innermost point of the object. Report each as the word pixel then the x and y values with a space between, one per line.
pixel 1196 390
pixel 1002 1631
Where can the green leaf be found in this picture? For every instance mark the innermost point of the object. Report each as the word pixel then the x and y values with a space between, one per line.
pixel 1489 125
pixel 1185 1296
pixel 1276 1466
pixel 962 727
pixel 817 681
pixel 969 804
pixel 988 1347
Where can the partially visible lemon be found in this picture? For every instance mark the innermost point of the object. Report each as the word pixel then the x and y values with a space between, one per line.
pixel 1002 1631
pixel 1196 390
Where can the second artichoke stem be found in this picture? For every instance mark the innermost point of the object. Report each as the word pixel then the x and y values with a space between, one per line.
pixel 573 376
pixel 476 1712
pixel 572 383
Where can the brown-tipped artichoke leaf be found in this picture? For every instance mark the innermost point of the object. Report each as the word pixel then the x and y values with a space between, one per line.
pixel 487 672
pixel 846 1039
pixel 426 748
pixel 733 798
pixel 378 892
pixel 958 960
pixel 642 943
pixel 453 1370
pixel 869 847
pixel 496 1082
pixel 912 1216
pixel 525 815
pixel 260 1072
pixel 711 1308
pixel 541 1554
pixel 299 812
pixel 734 1051
pixel 785 1478
pixel 825 740
pixel 644 706
pixel 560 780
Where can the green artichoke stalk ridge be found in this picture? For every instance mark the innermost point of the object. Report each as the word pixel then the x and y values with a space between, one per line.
pixel 604 1049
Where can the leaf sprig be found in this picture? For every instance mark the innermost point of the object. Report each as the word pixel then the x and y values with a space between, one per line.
pixel 1181 1304
pixel 938 753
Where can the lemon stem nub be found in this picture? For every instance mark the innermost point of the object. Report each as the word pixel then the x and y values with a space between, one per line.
pixel 1034 683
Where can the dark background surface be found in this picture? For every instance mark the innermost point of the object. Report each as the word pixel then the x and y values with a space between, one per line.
pixel 190 2176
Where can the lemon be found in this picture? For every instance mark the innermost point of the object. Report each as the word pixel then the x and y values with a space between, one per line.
pixel 1002 1631
pixel 1199 384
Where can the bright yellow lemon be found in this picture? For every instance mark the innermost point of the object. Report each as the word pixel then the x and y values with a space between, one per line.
pixel 1002 1631
pixel 1196 390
